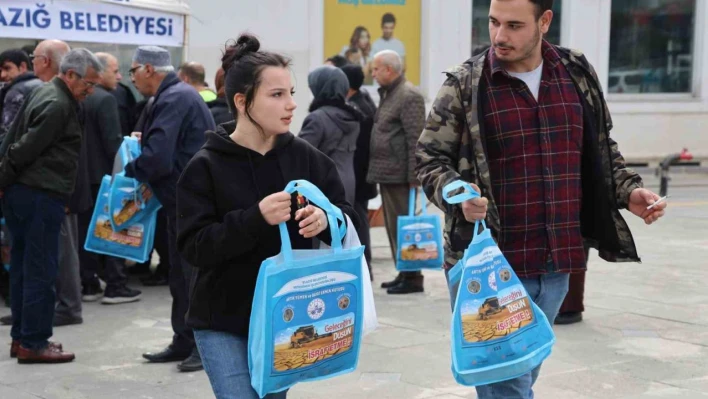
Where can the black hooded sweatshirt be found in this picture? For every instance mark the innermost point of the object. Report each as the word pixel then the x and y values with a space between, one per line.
pixel 220 229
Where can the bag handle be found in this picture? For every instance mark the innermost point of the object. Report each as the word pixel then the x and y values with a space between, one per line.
pixel 334 216
pixel 411 202
pixel 468 193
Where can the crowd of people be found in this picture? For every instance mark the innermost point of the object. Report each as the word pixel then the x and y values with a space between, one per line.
pixel 524 120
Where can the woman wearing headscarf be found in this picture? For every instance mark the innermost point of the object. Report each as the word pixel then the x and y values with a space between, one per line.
pixel 333 126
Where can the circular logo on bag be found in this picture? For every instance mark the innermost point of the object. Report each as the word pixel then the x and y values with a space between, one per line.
pixel 492 281
pixel 505 275
pixel 407 237
pixel 474 286
pixel 429 236
pixel 316 309
pixel 343 302
pixel 418 237
pixel 288 314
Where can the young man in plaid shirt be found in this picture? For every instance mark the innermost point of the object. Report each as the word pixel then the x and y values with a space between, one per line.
pixel 527 123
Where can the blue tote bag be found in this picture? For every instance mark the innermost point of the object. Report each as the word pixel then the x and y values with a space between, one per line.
pixel 419 238
pixel 497 332
pixel 134 242
pixel 307 312
pixel 129 201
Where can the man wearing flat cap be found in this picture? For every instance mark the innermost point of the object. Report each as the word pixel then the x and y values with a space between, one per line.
pixel 173 131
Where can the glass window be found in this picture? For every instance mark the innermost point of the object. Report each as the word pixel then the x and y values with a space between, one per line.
pixel 651 46
pixel 480 24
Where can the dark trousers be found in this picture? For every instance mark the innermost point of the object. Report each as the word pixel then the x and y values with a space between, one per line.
pixel 180 279
pixel 68 286
pixel 362 210
pixel 112 269
pixel 573 302
pixel 395 204
pixel 34 219
pixel 160 245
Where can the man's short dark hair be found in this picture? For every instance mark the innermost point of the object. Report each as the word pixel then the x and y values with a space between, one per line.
pixel 355 75
pixel 15 56
pixel 194 71
pixel 388 18
pixel 337 60
pixel 542 6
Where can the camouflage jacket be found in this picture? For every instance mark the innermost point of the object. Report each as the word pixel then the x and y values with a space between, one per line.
pixel 453 147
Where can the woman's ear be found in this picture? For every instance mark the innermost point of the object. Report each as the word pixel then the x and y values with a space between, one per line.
pixel 240 102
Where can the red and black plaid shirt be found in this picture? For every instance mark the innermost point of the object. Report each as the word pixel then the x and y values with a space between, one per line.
pixel 535 150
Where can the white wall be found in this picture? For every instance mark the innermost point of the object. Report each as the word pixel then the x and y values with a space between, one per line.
pixel 281 26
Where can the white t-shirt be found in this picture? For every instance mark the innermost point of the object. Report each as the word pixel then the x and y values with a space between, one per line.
pixel 532 79
pixel 394 44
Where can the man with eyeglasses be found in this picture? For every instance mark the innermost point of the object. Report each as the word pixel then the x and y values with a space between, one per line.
pixel 173 131
pixel 38 169
pixel 47 57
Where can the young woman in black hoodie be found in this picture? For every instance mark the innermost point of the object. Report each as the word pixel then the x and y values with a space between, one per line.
pixel 230 201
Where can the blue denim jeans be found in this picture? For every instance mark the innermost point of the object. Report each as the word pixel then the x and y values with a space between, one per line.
pixel 225 359
pixel 34 219
pixel 547 291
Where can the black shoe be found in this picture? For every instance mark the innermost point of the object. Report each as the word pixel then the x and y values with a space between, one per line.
pixel 169 354
pixel 60 321
pixel 6 320
pixel 405 287
pixel 192 363
pixel 91 292
pixel 115 295
pixel 154 280
pixel 568 318
pixel 393 283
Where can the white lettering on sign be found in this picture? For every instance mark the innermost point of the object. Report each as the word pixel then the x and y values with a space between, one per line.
pixel 90 22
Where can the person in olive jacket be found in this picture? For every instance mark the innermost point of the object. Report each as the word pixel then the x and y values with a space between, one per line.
pixel 40 157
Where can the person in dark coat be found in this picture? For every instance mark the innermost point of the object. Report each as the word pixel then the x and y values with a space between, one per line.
pixel 37 174
pixel 103 137
pixel 360 100
pixel 231 200
pixel 174 131
pixel 127 107
pixel 333 126
pixel 219 109
pixel 19 83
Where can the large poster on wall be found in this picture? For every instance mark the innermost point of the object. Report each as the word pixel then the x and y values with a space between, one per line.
pixel 80 21
pixel 358 29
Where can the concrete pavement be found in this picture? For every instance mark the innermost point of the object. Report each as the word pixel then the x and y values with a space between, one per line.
pixel 645 333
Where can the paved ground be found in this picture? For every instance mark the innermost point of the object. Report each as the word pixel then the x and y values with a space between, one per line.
pixel 645 333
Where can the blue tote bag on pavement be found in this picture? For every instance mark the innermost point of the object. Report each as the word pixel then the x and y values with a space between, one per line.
pixel 307 312
pixel 419 239
pixel 497 332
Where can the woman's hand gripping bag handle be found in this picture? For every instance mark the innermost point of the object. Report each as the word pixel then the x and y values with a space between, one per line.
pixel 419 240
pixel 129 201
pixel 497 332
pixel 307 311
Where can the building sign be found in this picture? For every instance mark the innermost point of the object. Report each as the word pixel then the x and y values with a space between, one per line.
pixel 89 22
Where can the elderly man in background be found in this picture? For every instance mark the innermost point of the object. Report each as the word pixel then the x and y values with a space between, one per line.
pixel 47 57
pixel 103 137
pixel 193 74
pixel 174 130
pixel 37 174
pixel 397 125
